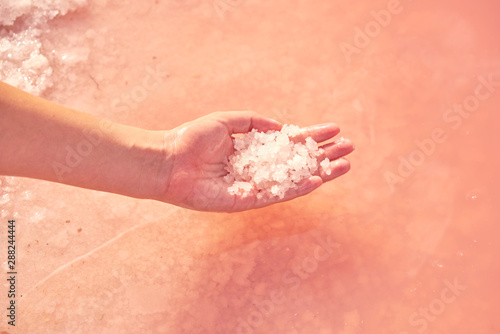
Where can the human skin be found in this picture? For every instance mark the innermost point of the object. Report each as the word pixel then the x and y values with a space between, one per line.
pixel 183 166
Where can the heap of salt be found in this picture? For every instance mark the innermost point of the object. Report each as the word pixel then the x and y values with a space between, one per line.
pixel 271 163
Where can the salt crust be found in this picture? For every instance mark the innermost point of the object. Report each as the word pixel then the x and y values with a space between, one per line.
pixel 22 22
pixel 271 163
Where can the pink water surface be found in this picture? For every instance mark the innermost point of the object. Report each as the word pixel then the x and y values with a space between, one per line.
pixel 407 242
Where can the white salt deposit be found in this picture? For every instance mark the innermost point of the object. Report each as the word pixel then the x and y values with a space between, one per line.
pixel 22 23
pixel 21 63
pixel 325 164
pixel 271 163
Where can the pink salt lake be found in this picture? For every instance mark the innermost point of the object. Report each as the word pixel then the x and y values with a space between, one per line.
pixel 406 242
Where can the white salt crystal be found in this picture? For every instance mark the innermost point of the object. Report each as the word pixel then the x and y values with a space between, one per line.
pixel 275 190
pixel 240 188
pixel 291 130
pixel 311 144
pixel 282 140
pixel 270 163
pixel 325 164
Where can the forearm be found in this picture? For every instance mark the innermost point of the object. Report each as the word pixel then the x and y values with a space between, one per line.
pixel 43 140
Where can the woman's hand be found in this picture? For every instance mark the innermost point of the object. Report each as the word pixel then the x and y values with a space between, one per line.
pixel 198 151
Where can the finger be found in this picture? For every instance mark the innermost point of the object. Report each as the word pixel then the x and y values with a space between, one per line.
pixel 320 132
pixel 245 121
pixel 337 149
pixel 303 188
pixel 337 168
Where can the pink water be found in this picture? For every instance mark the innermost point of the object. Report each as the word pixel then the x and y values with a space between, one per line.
pixel 406 242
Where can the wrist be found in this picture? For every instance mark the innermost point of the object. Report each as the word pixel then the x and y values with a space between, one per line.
pixel 147 164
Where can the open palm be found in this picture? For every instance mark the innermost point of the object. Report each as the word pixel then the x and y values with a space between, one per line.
pixel 200 151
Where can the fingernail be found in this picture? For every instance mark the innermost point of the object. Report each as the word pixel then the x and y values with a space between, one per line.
pixel 342 162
